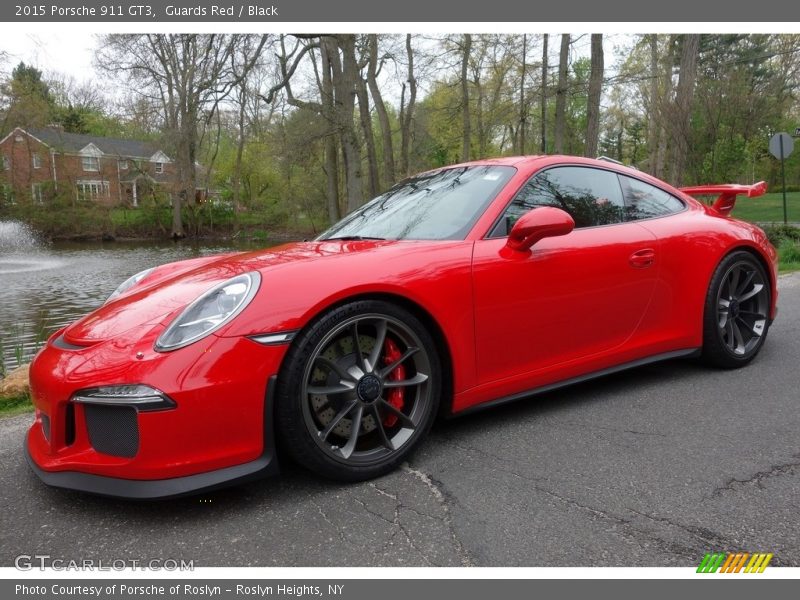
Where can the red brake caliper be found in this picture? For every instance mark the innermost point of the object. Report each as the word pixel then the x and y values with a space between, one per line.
pixel 395 395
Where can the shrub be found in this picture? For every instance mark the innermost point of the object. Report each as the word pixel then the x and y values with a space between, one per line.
pixel 778 233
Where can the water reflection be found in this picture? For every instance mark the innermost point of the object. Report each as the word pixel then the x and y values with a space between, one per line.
pixel 46 286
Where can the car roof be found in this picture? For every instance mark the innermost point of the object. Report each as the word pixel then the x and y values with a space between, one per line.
pixel 538 161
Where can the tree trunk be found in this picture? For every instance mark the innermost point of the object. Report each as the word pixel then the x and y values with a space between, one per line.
pixel 595 91
pixel 543 99
pixel 664 113
pixel 366 128
pixel 380 110
pixel 332 172
pixel 561 95
pixel 684 94
pixel 465 118
pixel 653 121
pixel 344 78
pixel 479 118
pixel 331 146
pixel 407 111
pixel 522 112
pixel 186 156
pixel 237 166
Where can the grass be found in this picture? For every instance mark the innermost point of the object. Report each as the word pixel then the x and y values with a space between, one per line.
pixel 15 405
pixel 768 208
pixel 789 254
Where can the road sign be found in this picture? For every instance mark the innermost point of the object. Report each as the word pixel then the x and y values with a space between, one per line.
pixel 781 145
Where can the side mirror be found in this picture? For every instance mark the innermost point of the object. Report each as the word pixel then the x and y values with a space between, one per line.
pixel 537 224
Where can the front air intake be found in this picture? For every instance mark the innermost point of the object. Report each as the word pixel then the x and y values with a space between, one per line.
pixel 113 430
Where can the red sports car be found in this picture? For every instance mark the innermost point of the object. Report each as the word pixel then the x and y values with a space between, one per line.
pixel 457 289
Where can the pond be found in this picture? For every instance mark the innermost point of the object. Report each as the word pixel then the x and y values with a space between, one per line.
pixel 46 286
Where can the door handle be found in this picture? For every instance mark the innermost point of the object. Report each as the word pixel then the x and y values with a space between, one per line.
pixel 642 259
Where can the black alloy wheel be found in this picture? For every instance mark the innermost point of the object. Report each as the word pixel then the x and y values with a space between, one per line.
pixel 359 390
pixel 737 311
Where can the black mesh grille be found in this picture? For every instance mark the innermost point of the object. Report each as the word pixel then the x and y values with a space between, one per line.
pixel 113 429
pixel 45 426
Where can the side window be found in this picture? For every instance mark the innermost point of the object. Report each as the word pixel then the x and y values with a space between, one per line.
pixel 644 201
pixel 591 196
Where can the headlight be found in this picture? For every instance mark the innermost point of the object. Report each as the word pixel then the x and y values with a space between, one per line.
pixel 209 312
pixel 129 283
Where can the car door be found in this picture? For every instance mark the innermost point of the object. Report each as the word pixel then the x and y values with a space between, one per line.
pixel 571 296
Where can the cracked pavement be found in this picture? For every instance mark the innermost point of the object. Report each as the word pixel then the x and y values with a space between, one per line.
pixel 652 467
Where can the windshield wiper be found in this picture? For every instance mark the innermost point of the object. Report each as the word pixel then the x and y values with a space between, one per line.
pixel 351 238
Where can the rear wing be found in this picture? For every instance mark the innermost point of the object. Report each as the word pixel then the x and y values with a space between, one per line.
pixel 727 194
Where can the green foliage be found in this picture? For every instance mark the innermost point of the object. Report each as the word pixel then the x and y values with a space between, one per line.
pixel 778 234
pixel 15 405
pixel 61 215
pixel 27 98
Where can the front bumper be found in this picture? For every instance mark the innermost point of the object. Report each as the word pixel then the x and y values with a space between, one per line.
pixel 156 489
pixel 219 433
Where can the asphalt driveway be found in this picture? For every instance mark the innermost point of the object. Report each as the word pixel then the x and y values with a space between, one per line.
pixel 652 467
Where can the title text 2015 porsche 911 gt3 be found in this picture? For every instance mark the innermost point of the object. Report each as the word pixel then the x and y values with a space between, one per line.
pixel 456 289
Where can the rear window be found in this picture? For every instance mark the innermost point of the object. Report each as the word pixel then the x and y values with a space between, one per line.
pixel 645 201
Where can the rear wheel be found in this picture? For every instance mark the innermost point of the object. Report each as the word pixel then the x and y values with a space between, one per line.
pixel 737 308
pixel 359 389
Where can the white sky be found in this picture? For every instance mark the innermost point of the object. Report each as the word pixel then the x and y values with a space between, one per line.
pixel 67 53
pixel 72 53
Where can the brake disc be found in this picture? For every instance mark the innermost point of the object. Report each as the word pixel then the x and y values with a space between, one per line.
pixel 342 353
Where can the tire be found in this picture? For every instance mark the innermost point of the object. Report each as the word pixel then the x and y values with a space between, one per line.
pixel 736 317
pixel 358 390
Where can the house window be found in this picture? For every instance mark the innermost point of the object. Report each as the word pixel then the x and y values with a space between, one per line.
pixel 92 190
pixel 159 167
pixel 37 161
pixel 123 165
pixel 7 194
pixel 37 193
pixel 91 163
pixel 6 163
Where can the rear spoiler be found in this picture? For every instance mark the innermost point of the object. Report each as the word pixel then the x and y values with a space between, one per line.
pixel 727 194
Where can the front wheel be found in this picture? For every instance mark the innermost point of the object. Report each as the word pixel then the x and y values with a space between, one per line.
pixel 358 391
pixel 737 308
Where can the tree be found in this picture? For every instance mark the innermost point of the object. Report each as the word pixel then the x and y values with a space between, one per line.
pixel 523 111
pixel 380 107
pixel 407 109
pixel 595 91
pixel 561 94
pixel 465 118
pixel 188 75
pixel 344 75
pixel 241 97
pixel 543 96
pixel 366 125
pixel 681 121
pixel 28 99
pixel 652 104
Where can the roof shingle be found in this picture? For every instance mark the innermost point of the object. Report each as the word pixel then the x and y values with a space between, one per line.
pixel 75 142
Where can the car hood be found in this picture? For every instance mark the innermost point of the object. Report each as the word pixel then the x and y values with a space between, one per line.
pixel 170 288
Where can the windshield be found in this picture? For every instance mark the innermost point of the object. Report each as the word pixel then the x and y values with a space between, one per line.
pixel 442 205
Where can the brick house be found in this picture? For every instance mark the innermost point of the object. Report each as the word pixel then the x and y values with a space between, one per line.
pixel 39 163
